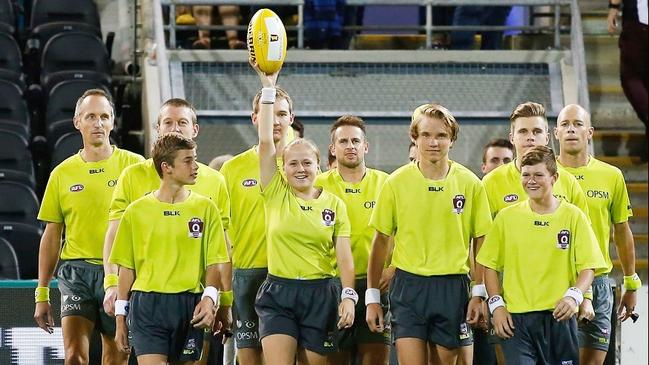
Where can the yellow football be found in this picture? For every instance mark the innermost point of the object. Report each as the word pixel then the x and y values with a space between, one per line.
pixel 267 40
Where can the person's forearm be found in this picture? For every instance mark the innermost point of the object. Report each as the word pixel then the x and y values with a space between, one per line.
pixel 492 281
pixel 584 279
pixel 125 283
pixel 625 246
pixel 48 253
pixel 478 270
pixel 108 246
pixel 224 272
pixel 345 262
pixel 214 274
pixel 377 259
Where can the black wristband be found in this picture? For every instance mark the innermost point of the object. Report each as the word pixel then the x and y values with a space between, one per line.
pixel 614 6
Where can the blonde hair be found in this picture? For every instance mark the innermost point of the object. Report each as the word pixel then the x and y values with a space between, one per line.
pixel 527 110
pixel 434 111
pixel 178 103
pixel 302 141
pixel 279 94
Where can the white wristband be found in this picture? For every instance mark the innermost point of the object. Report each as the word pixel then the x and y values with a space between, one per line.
pixel 479 290
pixel 211 293
pixel 349 293
pixel 372 295
pixel 268 95
pixel 495 302
pixel 121 307
pixel 576 294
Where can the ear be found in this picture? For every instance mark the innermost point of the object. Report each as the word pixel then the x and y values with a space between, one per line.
pixel 555 130
pixel 76 121
pixel 253 118
pixel 511 137
pixel 196 128
pixel 332 149
pixel 367 147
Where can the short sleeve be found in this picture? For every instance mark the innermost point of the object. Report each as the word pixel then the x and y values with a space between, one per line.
pixel 492 251
pixel 342 227
pixel 121 196
pixel 122 252
pixel 51 205
pixel 384 216
pixel 481 215
pixel 223 201
pixel 217 252
pixel 587 252
pixel 621 205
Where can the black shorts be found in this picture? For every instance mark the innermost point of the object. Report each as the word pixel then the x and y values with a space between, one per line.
pixel 540 339
pixel 82 294
pixel 360 332
pixel 160 324
pixel 431 308
pixel 245 285
pixel 596 334
pixel 306 310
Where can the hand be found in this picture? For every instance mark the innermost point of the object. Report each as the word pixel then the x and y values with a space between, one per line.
pixel 627 305
pixel 586 310
pixel 386 278
pixel 222 320
pixel 564 310
pixel 474 313
pixel 43 316
pixel 484 309
pixel 346 313
pixel 266 79
pixel 374 317
pixel 503 323
pixel 121 335
pixel 611 20
pixel 110 296
pixel 203 314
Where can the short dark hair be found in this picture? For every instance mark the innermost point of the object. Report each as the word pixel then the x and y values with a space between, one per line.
pixel 499 142
pixel 347 120
pixel 298 127
pixel 540 154
pixel 166 148
pixel 179 103
pixel 94 92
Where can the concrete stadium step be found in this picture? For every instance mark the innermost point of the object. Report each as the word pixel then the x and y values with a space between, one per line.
pixel 640 264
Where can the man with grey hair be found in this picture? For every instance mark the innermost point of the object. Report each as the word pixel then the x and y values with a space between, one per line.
pixel 76 200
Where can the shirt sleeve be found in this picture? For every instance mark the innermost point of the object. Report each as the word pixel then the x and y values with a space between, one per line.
pixel 492 251
pixel 577 196
pixel 121 196
pixel 217 252
pixel 122 252
pixel 384 215
pixel 276 186
pixel 342 227
pixel 587 252
pixel 51 205
pixel 223 200
pixel 481 215
pixel 621 205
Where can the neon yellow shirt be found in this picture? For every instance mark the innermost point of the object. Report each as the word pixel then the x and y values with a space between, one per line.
pixel 360 200
pixel 301 233
pixel 504 188
pixel 142 178
pixel 433 221
pixel 169 246
pixel 607 197
pixel 78 195
pixel 247 219
pixel 540 256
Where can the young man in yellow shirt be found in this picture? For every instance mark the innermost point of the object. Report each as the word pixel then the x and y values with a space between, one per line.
pixel 169 248
pixel 435 208
pixel 76 201
pixel 179 116
pixel 548 255
pixel 529 128
pixel 358 187
pixel 608 205
pixel 248 229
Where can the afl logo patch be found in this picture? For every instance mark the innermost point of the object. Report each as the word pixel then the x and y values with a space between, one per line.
pixel 510 198
pixel 249 183
pixel 458 204
pixel 563 239
pixel 328 217
pixel 195 228
pixel 76 188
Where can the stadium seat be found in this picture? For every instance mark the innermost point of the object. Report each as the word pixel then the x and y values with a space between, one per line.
pixel 49 11
pixel 61 62
pixel 7 19
pixel 57 129
pixel 10 60
pixel 17 176
pixel 13 107
pixel 66 146
pixel 8 261
pixel 63 98
pixel 16 127
pixel 15 154
pixel 18 203
pixel 25 240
